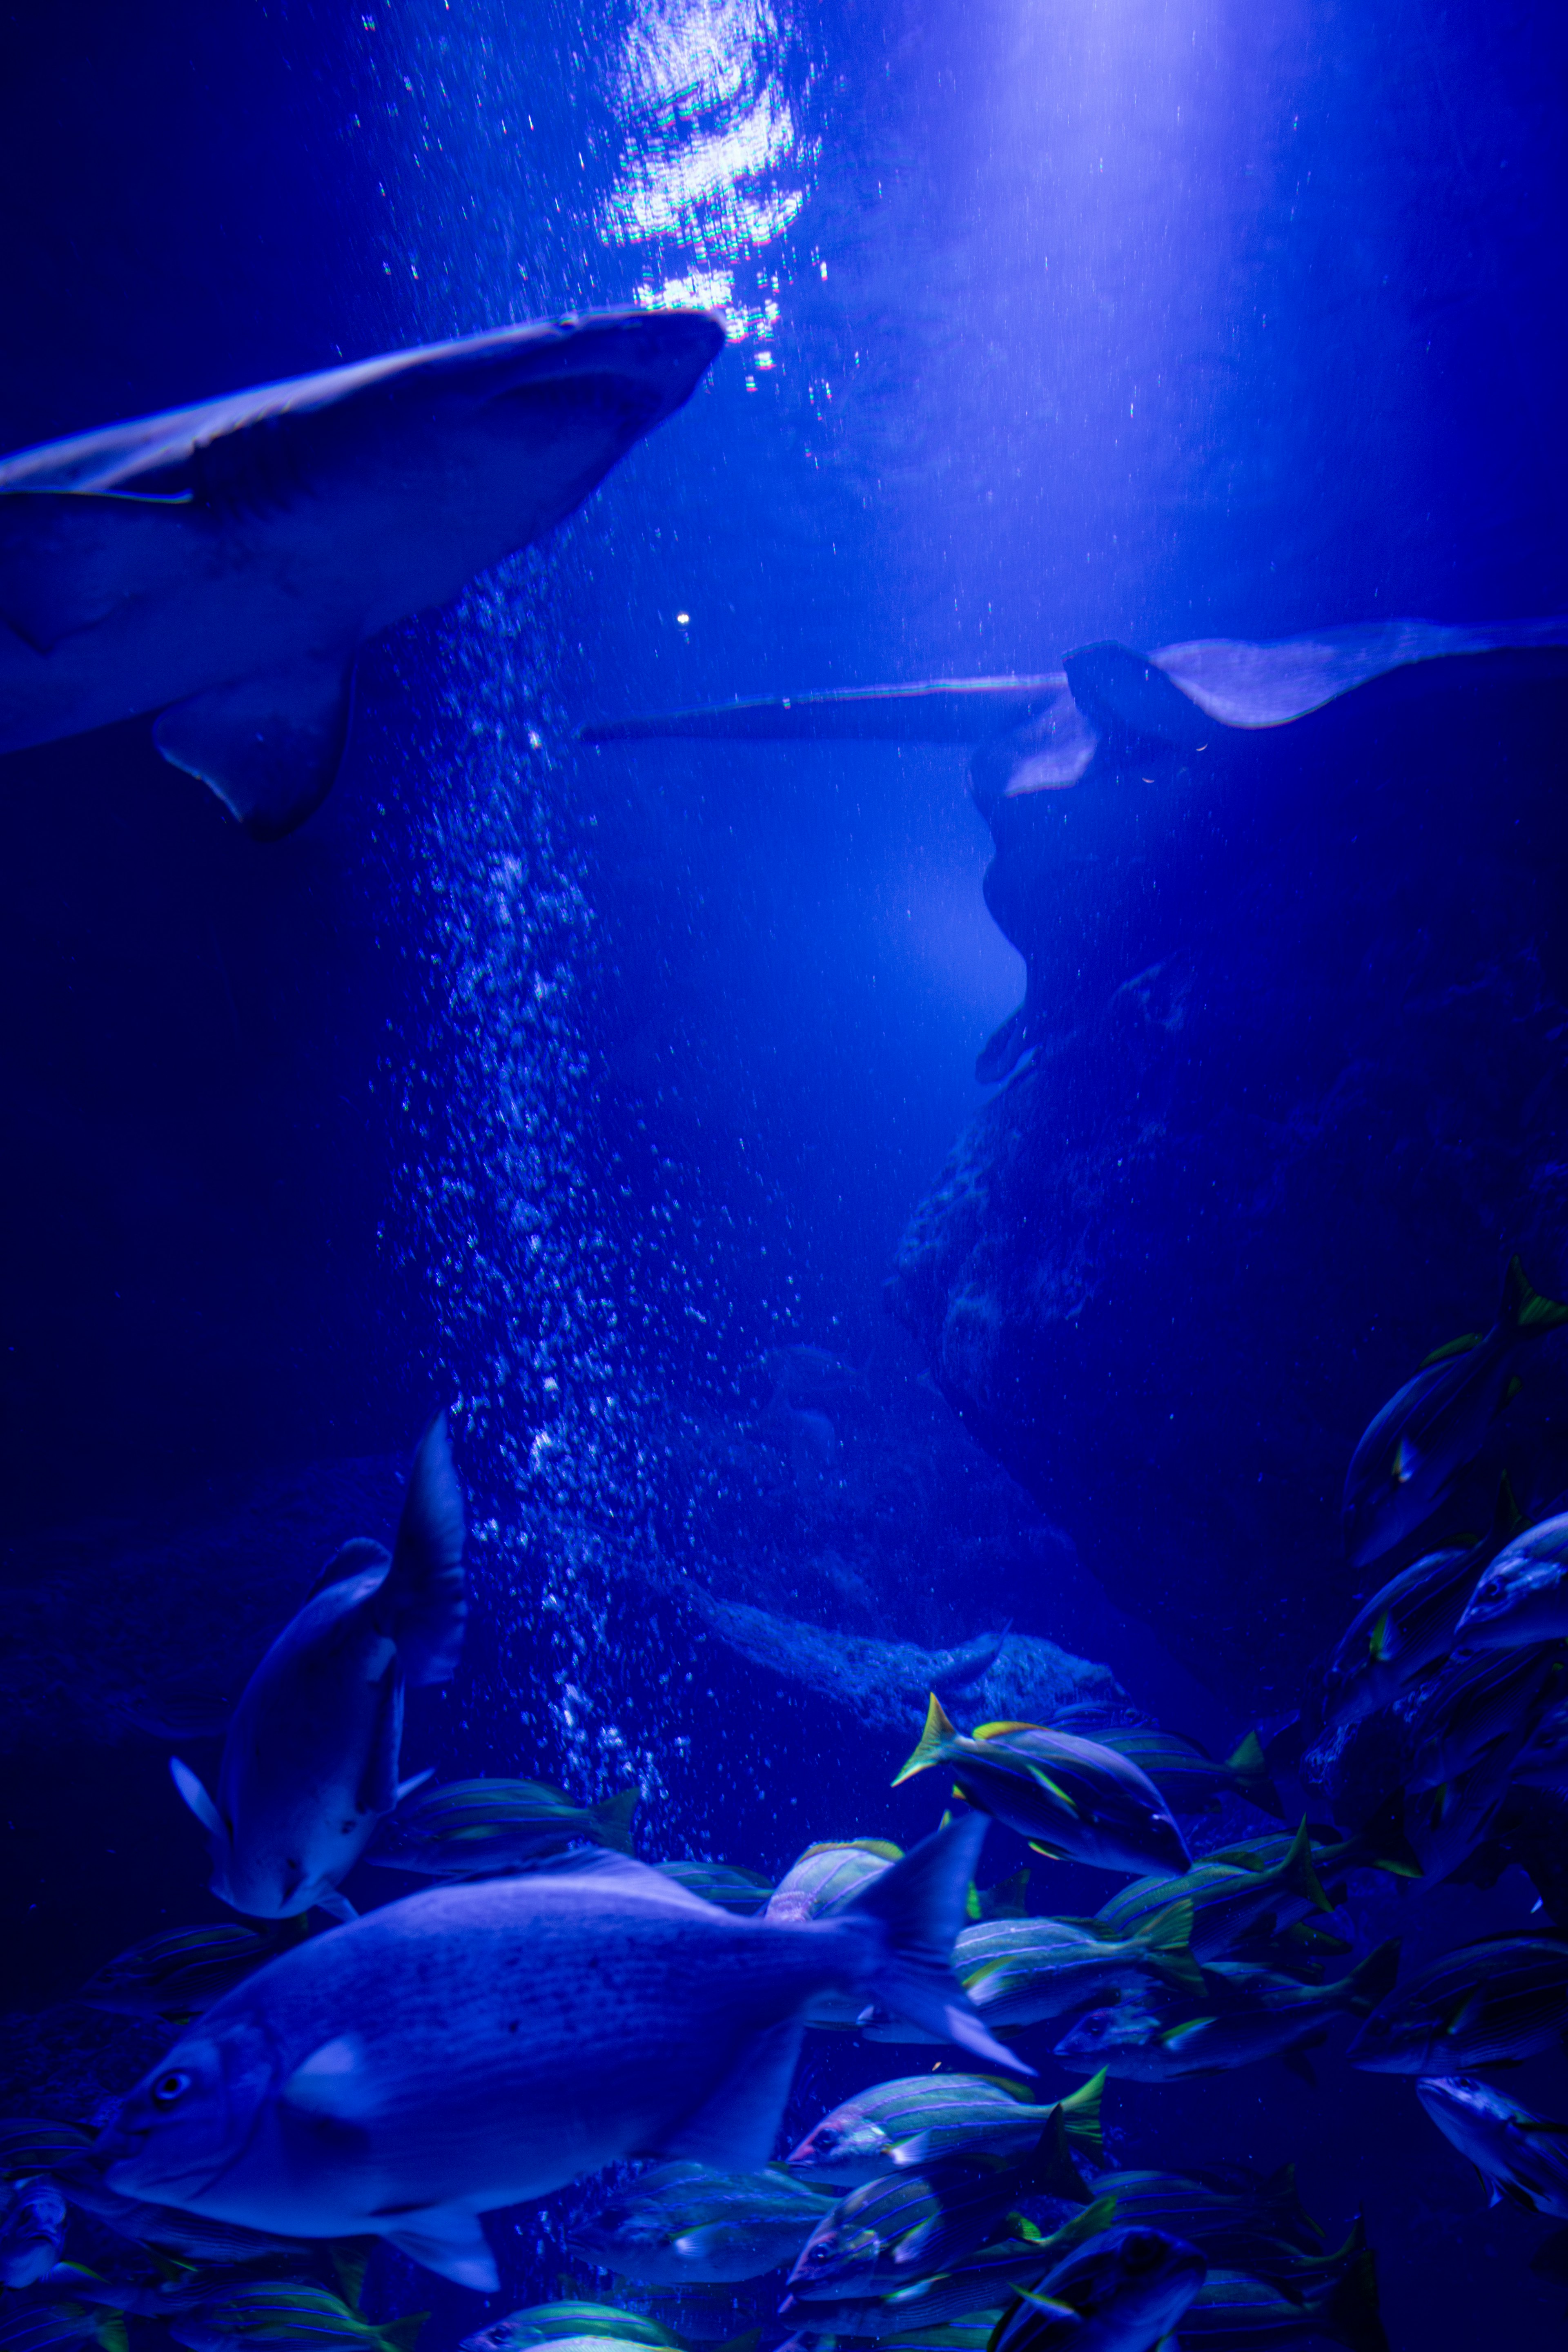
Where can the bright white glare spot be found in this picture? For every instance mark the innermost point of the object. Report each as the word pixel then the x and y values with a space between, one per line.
pixel 713 156
pixel 682 619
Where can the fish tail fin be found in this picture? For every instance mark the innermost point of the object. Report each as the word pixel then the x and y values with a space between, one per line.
pixel 1372 1978
pixel 425 1583
pixel 351 2259
pixel 1381 1843
pixel 1507 1518
pixel 916 1908
pixel 1048 2170
pixel 932 1740
pixel 1081 2113
pixel 403 2334
pixel 1250 1767
pixel 1283 2199
pixel 110 2331
pixel 1300 1873
pixel 1525 1310
pixel 1167 1939
pixel 1349 2309
pixel 613 1820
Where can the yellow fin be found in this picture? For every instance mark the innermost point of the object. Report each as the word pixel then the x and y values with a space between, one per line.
pixel 931 1744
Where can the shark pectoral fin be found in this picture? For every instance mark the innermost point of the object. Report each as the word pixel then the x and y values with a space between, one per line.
pixel 1119 688
pixel 448 2240
pixel 735 2129
pixel 271 746
pixel 197 1798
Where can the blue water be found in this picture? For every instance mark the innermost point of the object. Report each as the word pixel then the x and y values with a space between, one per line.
pixel 565 1084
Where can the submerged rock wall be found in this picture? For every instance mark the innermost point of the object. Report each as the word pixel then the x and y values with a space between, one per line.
pixel 1303 1093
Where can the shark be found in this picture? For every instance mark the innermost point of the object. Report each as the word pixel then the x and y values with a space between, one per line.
pixel 1087 772
pixel 218 567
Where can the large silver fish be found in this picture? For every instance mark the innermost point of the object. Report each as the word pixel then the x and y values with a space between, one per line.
pixel 1523 1596
pixel 1521 2155
pixel 222 564
pixel 311 1762
pixel 477 2045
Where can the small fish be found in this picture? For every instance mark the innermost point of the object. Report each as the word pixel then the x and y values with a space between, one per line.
pixel 1228 1897
pixel 554 2323
pixel 681 2222
pixel 1411 1453
pixel 1069 1797
pixel 476 1829
pixel 1235 2223
pixel 1411 1622
pixel 919 2118
pixel 60 2327
pixel 723 1883
pixel 1187 1776
pixel 1479 1698
pixel 1523 1596
pixel 982 2278
pixel 1503 1998
pixel 1140 2045
pixel 32 2231
pixel 1125 2291
pixel 30 2143
pixel 179 1973
pixel 826 1878
pixel 1445 1825
pixel 1519 2155
pixel 1021 1972
pixel 293 2315
pixel 1232 2309
pixel 311 1762
pixel 481 2044
pixel 915 2223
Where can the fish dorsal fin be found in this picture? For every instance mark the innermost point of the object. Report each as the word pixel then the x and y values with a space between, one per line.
pixel 1459 1346
pixel 269 745
pixel 448 2240
pixel 360 1554
pixel 423 1603
pixel 735 2127
pixel 933 1741
pixel 197 1798
pixel 1000 1730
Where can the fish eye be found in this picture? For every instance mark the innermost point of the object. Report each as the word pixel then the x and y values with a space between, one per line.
pixel 1142 2249
pixel 824 2140
pixel 171 2086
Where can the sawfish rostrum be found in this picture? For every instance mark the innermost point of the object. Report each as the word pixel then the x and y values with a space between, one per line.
pixel 478 2045
pixel 310 1763
pixel 1090 776
pixel 221 566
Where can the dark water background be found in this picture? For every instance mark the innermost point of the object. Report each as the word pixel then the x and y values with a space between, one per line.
pixel 564 1083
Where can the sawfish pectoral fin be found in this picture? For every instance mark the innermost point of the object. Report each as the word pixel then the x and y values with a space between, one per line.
pixel 269 745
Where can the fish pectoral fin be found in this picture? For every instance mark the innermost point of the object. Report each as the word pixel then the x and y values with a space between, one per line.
pixel 735 2127
pixel 269 745
pixel 406 1788
pixel 70 560
pixel 197 1798
pixel 336 1904
pixel 448 2240
pixel 423 1603
pixel 334 2081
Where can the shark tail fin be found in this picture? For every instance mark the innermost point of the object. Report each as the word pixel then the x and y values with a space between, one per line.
pixel 1081 2113
pixel 1301 1874
pixel 1524 1311
pixel 612 1819
pixel 932 1743
pixel 916 1907
pixel 1349 2309
pixel 424 1589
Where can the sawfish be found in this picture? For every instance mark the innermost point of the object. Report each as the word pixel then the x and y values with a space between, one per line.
pixel 221 566
pixel 1046 747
